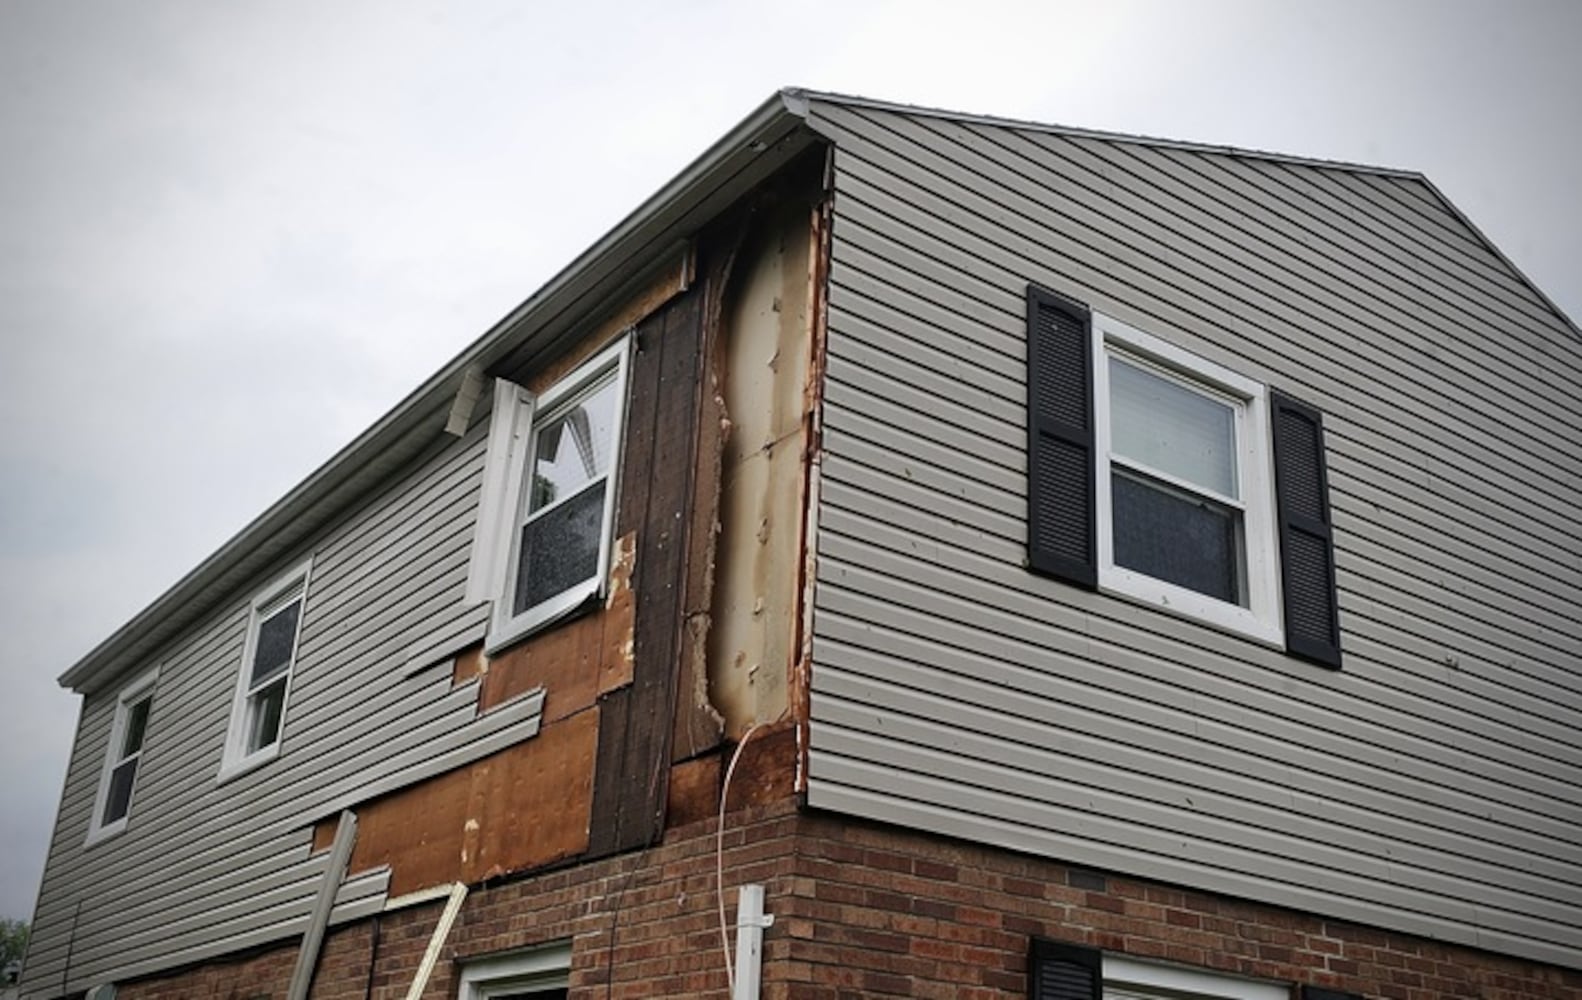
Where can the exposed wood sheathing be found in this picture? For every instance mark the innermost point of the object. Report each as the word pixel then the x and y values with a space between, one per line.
pixel 522 808
pixel 765 348
pixel 675 277
pixel 657 490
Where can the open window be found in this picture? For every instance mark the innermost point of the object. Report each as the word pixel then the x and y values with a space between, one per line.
pixel 123 758
pixel 258 714
pixel 542 546
pixel 1160 476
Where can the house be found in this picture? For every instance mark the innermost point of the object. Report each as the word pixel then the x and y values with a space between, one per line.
pixel 1023 561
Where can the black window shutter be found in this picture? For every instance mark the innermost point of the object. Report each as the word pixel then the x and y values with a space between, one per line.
pixel 1307 545
pixel 1319 993
pixel 1061 520
pixel 1057 971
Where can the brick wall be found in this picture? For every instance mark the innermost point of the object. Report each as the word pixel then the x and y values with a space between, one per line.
pixel 860 911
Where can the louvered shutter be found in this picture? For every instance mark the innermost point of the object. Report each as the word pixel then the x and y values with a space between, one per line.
pixel 1307 546
pixel 1319 993
pixel 1057 971
pixel 1061 520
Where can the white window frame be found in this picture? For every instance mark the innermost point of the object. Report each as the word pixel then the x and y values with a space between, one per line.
pixel 289 586
pixel 546 968
pixel 1130 979
pixel 496 556
pixel 131 694
pixel 1260 619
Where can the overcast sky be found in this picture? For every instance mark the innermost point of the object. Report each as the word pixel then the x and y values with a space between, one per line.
pixel 234 234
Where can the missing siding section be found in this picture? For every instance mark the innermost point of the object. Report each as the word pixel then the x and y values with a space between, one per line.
pixel 467 666
pixel 519 809
pixel 657 493
pixel 767 317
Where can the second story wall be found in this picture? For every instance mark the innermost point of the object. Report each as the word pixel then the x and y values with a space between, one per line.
pixel 1433 783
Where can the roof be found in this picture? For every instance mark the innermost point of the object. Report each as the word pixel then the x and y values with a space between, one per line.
pixel 547 321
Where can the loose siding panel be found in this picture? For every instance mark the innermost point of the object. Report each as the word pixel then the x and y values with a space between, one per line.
pixel 205 868
pixel 1434 785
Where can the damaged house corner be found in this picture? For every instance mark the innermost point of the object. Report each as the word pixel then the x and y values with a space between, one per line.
pixel 914 525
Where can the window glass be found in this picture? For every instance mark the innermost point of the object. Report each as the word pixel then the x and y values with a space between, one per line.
pixel 268 706
pixel 1176 537
pixel 1170 428
pixel 276 635
pixel 561 548
pixel 136 725
pixel 573 449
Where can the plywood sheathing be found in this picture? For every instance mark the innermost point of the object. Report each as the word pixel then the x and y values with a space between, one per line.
pixel 669 281
pixel 694 790
pixel 522 808
pixel 767 320
pixel 766 771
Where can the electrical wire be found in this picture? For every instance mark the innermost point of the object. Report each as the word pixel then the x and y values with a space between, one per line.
pixel 719 857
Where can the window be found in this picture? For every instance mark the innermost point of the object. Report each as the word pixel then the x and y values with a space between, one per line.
pixel 542 974
pixel 259 712
pixel 1058 971
pixel 1128 979
pixel 542 546
pixel 1185 511
pixel 1160 476
pixel 122 759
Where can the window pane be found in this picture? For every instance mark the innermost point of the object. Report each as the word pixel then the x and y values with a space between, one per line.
pixel 136 725
pixel 560 549
pixel 275 637
pixel 119 800
pixel 573 450
pixel 1172 429
pixel 264 715
pixel 1178 538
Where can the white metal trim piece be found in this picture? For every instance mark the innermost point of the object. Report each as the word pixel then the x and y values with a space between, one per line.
pixel 458 893
pixel 485 564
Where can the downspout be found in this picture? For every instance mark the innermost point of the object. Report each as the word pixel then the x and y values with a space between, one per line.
pixel 750 923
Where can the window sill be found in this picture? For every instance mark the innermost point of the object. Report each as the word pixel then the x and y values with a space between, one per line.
pixel 564 605
pixel 1189 605
pixel 99 835
pixel 231 770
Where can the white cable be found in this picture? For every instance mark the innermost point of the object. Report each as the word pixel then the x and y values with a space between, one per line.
pixel 719 856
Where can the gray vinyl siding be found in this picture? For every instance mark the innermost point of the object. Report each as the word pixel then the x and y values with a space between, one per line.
pixel 204 867
pixel 1433 785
